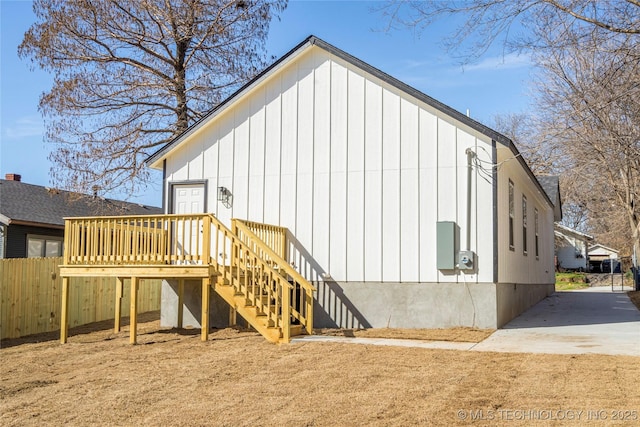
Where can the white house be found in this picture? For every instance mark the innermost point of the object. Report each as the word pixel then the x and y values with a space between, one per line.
pixel 599 253
pixel 572 248
pixel 402 211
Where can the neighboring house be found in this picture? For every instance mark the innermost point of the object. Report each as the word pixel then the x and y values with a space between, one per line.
pixel 600 258
pixel 402 211
pixel 32 216
pixel 572 249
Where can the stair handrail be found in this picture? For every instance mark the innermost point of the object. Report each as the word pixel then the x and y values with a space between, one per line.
pixel 237 244
pixel 281 263
pixel 283 267
pixel 274 236
pixel 284 318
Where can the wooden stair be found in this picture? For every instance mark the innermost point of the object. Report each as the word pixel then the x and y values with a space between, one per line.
pixel 259 284
pixel 253 315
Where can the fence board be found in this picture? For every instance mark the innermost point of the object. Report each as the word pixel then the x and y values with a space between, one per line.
pixel 30 297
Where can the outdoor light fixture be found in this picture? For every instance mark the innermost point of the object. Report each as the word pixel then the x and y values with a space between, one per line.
pixel 225 196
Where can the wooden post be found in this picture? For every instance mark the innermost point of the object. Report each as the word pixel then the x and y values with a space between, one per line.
pixel 206 240
pixel 180 302
pixel 309 311
pixel 118 314
pixel 133 312
pixel 283 236
pixel 206 287
pixel 67 236
pixel 233 316
pixel 286 313
pixel 64 312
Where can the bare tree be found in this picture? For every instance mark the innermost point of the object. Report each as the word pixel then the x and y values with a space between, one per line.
pixel 513 23
pixel 528 135
pixel 591 99
pixel 588 110
pixel 132 74
pixel 538 145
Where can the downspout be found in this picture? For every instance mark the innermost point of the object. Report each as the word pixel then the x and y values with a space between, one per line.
pixel 470 156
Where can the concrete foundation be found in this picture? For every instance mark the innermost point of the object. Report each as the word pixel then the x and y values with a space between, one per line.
pixel 191 307
pixel 380 304
pixel 422 305
pixel 513 299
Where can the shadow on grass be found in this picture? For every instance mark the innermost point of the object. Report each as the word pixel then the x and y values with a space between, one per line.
pixel 105 328
pixel 230 333
pixel 102 326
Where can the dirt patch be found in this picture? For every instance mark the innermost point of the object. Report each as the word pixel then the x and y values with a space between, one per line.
pixel 606 279
pixel 635 298
pixel 452 334
pixel 237 378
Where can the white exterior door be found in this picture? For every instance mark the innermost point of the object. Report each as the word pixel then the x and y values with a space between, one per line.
pixel 188 199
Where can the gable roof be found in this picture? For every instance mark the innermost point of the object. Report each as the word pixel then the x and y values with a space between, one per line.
pixel 594 249
pixel 315 41
pixel 551 186
pixel 155 159
pixel 27 204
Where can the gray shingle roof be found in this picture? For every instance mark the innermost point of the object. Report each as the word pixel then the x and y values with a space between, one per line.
pixel 22 202
pixel 551 185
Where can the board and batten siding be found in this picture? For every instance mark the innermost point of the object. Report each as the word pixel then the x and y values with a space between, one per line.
pixel 513 265
pixel 357 170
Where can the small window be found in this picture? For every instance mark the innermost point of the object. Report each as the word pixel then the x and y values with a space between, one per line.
pixel 537 229
pixel 43 246
pixel 35 247
pixel 53 248
pixel 511 214
pixel 524 225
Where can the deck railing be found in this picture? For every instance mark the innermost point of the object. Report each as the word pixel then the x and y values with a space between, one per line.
pixel 240 257
pixel 140 239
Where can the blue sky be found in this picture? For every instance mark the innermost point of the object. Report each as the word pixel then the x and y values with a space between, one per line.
pixel 496 84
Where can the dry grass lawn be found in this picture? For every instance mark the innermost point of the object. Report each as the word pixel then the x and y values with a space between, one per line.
pixel 237 378
pixel 453 334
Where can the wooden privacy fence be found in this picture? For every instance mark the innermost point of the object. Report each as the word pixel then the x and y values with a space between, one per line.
pixel 30 297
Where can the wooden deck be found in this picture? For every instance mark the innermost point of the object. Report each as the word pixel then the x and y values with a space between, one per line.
pixel 141 271
pixel 252 275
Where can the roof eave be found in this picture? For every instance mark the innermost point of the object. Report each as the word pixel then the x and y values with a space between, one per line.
pixel 517 155
pixel 35 224
pixel 155 160
pixel 5 220
pixel 604 247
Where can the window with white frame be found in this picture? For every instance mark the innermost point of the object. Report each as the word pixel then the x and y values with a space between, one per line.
pixel 537 229
pixel 524 225
pixel 511 214
pixel 43 246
